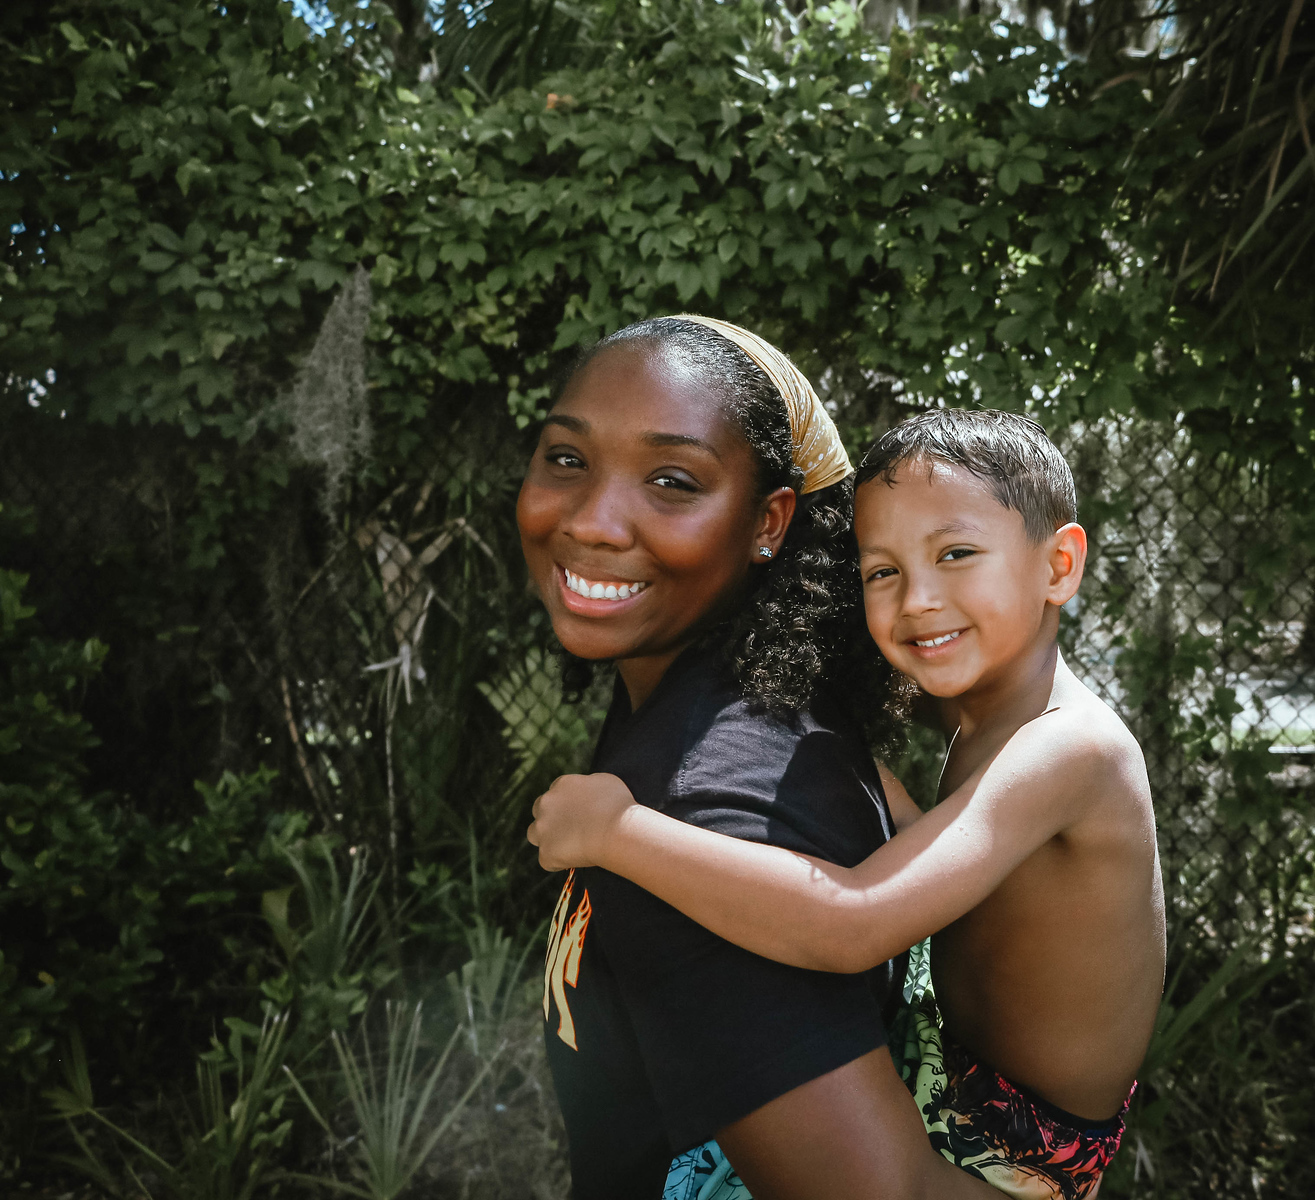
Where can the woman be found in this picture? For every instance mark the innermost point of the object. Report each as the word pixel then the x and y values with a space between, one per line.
pixel 662 526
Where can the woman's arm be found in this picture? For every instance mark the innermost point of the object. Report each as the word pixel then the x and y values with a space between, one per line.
pixel 802 910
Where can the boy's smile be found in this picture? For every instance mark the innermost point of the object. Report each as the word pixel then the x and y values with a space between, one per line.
pixel 953 587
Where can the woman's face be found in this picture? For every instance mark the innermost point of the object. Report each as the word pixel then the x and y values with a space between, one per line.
pixel 639 516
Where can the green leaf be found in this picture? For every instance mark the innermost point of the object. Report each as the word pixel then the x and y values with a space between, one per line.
pixel 1052 244
pixel 925 160
pixel 75 39
pixel 295 33
pixel 274 908
pixel 1029 170
pixel 689 281
pixel 167 239
pixel 1013 329
pixel 157 260
pixel 324 275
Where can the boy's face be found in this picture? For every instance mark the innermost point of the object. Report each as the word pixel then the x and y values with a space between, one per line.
pixel 955 590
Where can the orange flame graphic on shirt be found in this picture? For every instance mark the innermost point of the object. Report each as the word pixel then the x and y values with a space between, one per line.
pixel 565 945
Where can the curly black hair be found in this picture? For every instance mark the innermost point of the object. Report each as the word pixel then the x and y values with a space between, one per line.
pixel 799 631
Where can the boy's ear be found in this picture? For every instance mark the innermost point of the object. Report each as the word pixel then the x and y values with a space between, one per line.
pixel 1067 560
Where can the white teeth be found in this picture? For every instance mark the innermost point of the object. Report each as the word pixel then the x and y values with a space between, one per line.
pixel 602 591
pixel 940 641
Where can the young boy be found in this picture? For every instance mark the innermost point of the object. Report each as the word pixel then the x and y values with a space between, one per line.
pixel 1037 869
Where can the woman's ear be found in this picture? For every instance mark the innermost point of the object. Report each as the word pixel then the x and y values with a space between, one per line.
pixel 1067 558
pixel 777 513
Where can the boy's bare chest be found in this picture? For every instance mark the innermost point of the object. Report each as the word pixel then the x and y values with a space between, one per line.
pixel 1045 892
pixel 1043 977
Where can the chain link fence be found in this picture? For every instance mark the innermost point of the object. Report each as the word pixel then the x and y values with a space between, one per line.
pixel 395 670
pixel 1197 623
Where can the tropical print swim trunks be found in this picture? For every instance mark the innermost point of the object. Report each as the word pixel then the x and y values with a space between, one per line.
pixel 997 1130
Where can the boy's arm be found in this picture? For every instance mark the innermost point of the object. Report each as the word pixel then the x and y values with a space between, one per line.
pixel 810 913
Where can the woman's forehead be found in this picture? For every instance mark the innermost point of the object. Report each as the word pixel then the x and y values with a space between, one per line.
pixel 634 390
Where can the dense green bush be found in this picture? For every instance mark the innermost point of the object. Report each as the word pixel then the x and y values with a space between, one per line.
pixel 959 212
pixel 55 844
pixel 94 897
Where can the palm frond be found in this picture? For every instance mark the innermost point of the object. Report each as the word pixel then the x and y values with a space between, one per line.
pixel 1244 80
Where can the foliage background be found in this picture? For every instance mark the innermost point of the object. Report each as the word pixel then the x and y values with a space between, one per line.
pixel 283 295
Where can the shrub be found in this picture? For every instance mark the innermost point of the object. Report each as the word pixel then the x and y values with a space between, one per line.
pixel 96 901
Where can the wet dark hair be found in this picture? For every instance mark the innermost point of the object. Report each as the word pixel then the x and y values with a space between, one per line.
pixel 800 629
pixel 1011 453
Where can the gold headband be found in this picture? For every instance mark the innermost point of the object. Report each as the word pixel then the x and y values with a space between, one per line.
pixel 815 442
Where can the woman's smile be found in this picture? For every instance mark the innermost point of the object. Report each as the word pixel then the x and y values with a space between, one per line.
pixel 598 596
pixel 601 589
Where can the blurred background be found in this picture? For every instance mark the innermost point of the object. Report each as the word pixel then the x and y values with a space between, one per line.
pixel 284 291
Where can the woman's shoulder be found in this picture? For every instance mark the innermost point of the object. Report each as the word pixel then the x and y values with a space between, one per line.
pixel 805 781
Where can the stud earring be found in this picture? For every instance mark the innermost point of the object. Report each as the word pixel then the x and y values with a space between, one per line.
pixel 764 552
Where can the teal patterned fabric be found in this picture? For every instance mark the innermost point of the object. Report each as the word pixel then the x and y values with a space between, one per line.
pixel 704 1174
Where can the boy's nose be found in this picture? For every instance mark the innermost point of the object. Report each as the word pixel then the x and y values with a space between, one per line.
pixel 920 594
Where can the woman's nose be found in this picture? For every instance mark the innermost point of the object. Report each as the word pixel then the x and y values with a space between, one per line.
pixel 601 517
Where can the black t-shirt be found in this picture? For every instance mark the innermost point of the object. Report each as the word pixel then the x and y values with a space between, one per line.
pixel 659 1033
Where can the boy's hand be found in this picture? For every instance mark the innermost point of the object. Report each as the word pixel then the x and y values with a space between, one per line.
pixel 574 818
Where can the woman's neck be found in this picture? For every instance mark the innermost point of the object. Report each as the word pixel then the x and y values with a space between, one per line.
pixel 642 675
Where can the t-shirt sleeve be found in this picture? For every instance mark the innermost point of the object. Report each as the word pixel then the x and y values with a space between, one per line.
pixel 816 793
pixel 723 1031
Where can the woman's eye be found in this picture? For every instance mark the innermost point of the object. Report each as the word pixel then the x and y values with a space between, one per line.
pixel 564 458
pixel 882 573
pixel 957 554
pixel 675 482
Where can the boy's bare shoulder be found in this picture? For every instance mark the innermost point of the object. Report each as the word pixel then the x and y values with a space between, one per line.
pixel 1078 748
pixel 1107 737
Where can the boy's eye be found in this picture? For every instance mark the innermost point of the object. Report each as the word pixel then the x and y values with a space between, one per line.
pixel 958 553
